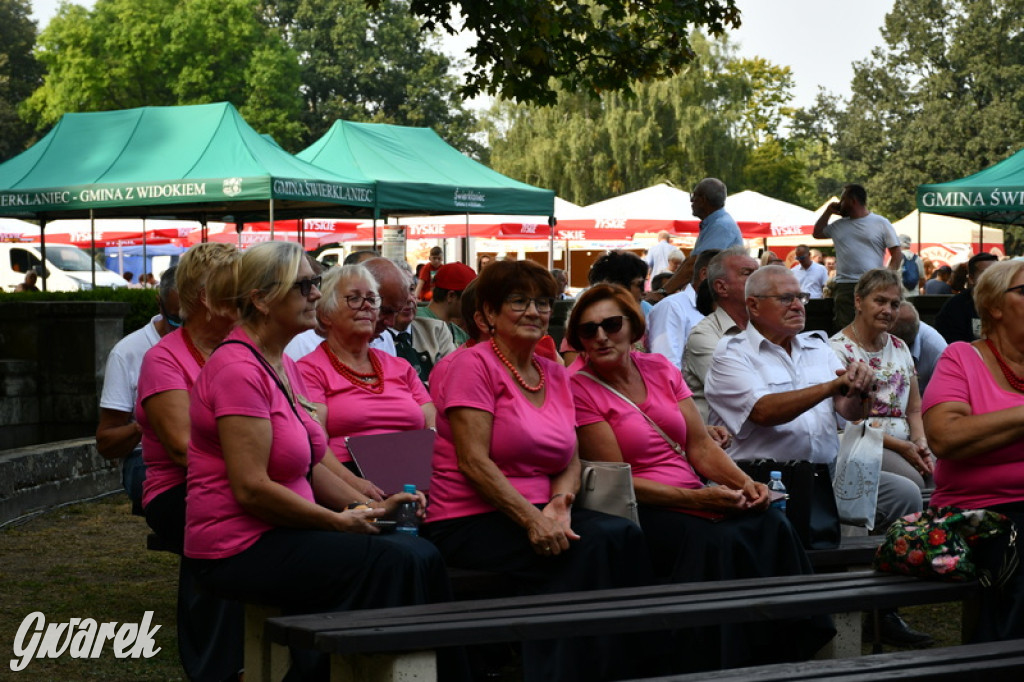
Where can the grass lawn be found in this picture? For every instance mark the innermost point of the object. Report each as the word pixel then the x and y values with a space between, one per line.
pixel 90 560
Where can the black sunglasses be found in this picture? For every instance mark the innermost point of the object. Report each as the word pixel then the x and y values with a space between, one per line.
pixel 306 285
pixel 610 325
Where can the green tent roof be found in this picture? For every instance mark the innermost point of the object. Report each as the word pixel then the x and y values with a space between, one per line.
pixel 994 195
pixel 416 171
pixel 171 162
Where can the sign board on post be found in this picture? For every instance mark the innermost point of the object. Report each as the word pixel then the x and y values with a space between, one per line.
pixel 392 243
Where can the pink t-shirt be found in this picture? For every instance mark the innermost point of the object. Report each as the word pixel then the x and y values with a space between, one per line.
pixel 529 444
pixel 642 447
pixel 234 383
pixel 997 477
pixel 355 411
pixel 167 366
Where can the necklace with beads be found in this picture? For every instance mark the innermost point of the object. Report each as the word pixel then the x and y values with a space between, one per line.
pixel 372 382
pixel 515 372
pixel 192 348
pixel 1011 377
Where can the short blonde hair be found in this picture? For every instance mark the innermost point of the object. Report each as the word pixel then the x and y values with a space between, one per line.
pixel 269 267
pixel 213 266
pixel 990 289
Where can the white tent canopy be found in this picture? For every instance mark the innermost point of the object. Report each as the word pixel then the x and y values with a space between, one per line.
pixel 658 202
pixel 948 239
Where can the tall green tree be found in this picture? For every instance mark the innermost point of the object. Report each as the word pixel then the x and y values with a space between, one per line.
pixel 719 117
pixel 20 73
pixel 592 47
pixel 943 98
pixel 371 65
pixel 130 53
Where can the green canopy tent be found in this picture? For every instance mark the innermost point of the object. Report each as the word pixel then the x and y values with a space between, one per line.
pixel 994 195
pixel 416 172
pixel 201 162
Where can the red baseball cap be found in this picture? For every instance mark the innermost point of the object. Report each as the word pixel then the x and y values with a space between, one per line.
pixel 454 276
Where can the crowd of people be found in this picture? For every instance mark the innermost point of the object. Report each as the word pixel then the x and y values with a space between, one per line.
pixel 244 391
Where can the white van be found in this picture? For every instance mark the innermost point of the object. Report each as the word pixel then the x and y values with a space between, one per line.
pixel 69 268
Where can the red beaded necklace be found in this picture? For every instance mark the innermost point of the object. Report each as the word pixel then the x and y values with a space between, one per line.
pixel 372 382
pixel 196 353
pixel 1011 377
pixel 515 372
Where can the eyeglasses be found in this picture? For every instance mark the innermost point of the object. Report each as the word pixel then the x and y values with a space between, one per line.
pixel 1019 289
pixel 610 325
pixel 787 299
pixel 519 303
pixel 306 285
pixel 356 302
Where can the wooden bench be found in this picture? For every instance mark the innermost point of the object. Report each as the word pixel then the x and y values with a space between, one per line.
pixel 989 662
pixel 374 645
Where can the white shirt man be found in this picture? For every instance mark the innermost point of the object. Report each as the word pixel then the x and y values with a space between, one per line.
pixel 727 277
pixel 812 276
pixel 777 390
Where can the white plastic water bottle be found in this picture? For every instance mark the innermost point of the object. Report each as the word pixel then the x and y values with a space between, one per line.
pixel 406 518
pixel 776 485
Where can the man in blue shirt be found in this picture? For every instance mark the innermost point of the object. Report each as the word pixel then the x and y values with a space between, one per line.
pixel 718 231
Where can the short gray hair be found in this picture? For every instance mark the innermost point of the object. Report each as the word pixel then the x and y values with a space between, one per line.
pixel 716 268
pixel 713 190
pixel 908 328
pixel 168 282
pixel 761 280
pixel 330 299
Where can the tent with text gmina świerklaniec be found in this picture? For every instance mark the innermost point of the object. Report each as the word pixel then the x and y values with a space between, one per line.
pixel 200 161
pixel 993 195
pixel 416 172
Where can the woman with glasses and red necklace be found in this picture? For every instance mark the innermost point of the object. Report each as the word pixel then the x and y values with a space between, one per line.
pixel 268 515
pixel 974 418
pixel 635 407
pixel 358 390
pixel 506 473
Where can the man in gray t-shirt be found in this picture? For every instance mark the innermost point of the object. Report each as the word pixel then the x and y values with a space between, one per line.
pixel 861 239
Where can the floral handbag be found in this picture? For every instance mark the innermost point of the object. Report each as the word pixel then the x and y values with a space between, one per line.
pixel 936 543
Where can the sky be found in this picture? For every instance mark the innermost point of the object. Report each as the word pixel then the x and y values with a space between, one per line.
pixel 818 39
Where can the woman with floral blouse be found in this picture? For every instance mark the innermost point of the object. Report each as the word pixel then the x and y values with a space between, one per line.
pixel 895 404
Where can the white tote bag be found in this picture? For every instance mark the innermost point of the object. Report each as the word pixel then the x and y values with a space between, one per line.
pixel 858 466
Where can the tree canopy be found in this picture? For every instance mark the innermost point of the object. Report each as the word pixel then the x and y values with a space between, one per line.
pixel 291 67
pixel 20 73
pixel 719 117
pixel 590 47
pixel 943 98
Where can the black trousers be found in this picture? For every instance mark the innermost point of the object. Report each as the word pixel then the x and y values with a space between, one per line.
pixel 314 571
pixel 211 630
pixel 610 553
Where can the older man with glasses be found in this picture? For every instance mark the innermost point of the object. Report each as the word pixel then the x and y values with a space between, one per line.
pixel 777 389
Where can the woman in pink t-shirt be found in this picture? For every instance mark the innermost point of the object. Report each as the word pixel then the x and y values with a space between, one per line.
pixel 210 630
pixel 359 390
pixel 506 472
pixel 268 517
pixel 635 407
pixel 974 419
pixel 168 372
